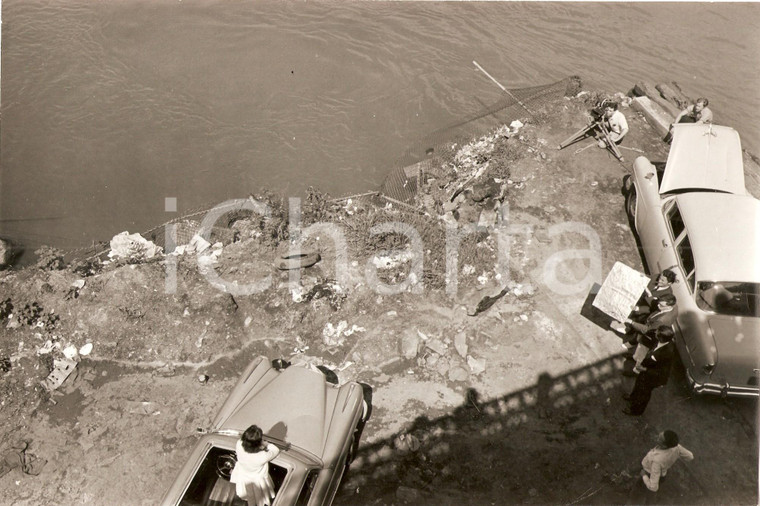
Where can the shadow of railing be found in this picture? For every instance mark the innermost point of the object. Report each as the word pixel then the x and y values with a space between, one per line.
pixel 503 450
pixel 563 440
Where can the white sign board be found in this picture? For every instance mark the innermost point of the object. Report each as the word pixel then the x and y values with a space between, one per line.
pixel 620 291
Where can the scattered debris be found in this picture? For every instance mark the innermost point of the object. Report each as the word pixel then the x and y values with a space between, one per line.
pixel 62 369
pixel 488 301
pixel 477 365
pixel 132 247
pixel 334 335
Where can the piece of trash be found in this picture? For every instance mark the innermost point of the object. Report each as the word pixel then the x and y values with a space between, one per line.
pixel 46 348
pixel 132 246
pixel 86 349
pixel 488 301
pixel 407 442
pixel 70 352
pixel 515 126
pixel 142 408
pixel 62 369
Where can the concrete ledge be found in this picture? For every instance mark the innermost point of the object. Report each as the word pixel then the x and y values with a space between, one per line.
pixel 654 114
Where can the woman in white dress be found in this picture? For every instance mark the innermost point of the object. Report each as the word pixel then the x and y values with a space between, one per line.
pixel 251 472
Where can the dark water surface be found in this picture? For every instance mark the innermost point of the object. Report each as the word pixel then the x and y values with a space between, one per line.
pixel 109 107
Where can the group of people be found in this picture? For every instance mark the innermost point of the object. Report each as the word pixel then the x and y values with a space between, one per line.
pixel 617 125
pixel 648 338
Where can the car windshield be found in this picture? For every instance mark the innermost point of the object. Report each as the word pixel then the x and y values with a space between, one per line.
pixel 729 298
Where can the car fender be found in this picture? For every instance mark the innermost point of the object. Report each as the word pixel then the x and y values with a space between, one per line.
pixel 695 338
pixel 253 373
pixel 649 221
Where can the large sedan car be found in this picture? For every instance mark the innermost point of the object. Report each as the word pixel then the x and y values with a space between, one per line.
pixel 693 214
pixel 315 423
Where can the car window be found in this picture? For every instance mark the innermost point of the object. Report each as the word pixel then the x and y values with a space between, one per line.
pixel 211 483
pixel 729 298
pixel 308 486
pixel 686 257
pixel 675 221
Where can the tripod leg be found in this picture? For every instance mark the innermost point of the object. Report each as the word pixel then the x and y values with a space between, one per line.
pixel 580 134
pixel 610 143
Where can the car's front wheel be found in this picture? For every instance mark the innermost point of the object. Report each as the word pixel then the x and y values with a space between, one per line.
pixel 630 203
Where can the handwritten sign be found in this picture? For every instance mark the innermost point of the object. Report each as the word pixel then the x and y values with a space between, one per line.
pixel 620 291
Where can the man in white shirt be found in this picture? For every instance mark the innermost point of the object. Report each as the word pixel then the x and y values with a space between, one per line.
pixel 615 122
pixel 661 458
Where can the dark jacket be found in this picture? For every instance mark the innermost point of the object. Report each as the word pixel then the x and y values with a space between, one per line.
pixel 658 363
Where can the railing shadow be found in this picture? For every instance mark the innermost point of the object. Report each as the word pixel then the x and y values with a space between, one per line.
pixel 562 440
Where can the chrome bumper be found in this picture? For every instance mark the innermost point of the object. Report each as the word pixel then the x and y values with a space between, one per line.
pixel 722 390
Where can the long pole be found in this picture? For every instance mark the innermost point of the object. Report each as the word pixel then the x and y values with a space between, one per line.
pixel 502 87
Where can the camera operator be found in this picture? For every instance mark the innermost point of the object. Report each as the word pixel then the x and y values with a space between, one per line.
pixel 615 122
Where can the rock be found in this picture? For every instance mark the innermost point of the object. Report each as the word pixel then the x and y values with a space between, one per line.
pixel 442 367
pixel 674 94
pixel 6 253
pixel 223 303
pixel 409 344
pixel 460 344
pixel 477 365
pixel 449 206
pixel 437 346
pixel 647 90
pixel 458 374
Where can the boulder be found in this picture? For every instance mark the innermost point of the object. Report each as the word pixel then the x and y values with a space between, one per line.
pixel 409 344
pixel 674 95
pixel 647 90
pixel 7 253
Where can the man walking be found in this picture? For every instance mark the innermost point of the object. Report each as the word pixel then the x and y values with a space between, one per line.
pixel 656 372
pixel 659 459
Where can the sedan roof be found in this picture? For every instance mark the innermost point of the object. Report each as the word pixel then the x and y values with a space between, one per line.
pixel 724 232
pixel 705 157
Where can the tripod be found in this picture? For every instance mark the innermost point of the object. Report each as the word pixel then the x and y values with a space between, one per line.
pixel 588 130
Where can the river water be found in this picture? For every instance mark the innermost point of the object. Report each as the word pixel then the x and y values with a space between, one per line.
pixel 110 107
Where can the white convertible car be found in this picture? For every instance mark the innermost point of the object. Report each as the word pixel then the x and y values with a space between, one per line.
pixel 694 215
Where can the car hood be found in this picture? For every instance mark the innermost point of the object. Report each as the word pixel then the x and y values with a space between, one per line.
pixel 738 341
pixel 298 419
pixel 707 157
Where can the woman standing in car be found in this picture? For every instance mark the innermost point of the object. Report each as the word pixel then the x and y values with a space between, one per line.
pixel 251 472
